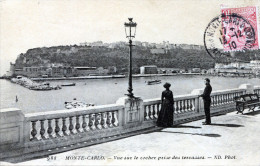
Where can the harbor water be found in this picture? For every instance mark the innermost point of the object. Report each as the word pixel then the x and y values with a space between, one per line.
pixel 106 91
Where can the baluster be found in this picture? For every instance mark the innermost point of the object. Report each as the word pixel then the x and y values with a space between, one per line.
pixel 50 129
pixel 78 125
pixel 228 98
pixel 84 124
pixel 34 131
pixel 232 97
pixel 181 109
pixel 147 112
pixel 219 100
pixel 57 128
pixel 64 127
pixel 222 99
pixel 216 99
pixel 193 105
pixel 155 111
pixel 184 102
pixel 213 98
pixel 115 120
pixel 78 129
pixel 98 121
pixel 150 112
pixel 109 119
pixel 104 120
pixel 42 130
pixel 177 107
pixel 188 105
pixel 92 122
pixel 87 123
pixel 71 126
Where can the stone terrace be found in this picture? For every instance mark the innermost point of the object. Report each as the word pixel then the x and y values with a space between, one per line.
pixel 232 139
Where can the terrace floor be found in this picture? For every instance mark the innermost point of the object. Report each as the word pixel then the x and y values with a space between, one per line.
pixel 232 139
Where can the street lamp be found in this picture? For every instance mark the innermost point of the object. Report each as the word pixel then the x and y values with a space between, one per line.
pixel 130 35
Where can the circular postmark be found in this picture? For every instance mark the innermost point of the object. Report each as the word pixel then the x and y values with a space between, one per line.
pixel 227 33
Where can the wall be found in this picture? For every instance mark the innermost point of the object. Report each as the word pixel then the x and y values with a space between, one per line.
pixel 45 133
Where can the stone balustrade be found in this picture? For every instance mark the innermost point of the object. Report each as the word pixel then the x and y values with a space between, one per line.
pixel 188 107
pixel 44 133
pixel 55 124
pixel 257 90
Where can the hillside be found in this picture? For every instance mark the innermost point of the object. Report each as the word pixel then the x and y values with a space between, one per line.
pixel 104 57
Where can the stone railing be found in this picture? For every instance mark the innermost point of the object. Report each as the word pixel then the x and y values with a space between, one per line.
pixel 257 90
pixel 45 133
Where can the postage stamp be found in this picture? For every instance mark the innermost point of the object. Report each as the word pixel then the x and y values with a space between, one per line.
pixel 240 28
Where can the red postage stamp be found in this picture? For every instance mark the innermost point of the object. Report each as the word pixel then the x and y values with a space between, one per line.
pixel 239 28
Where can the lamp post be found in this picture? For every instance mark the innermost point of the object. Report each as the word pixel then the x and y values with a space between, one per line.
pixel 130 35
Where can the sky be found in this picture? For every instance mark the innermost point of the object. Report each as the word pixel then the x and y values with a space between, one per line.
pixel 26 24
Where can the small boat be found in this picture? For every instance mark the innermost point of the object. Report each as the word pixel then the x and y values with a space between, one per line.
pixel 77 104
pixel 70 84
pixel 40 88
pixel 153 82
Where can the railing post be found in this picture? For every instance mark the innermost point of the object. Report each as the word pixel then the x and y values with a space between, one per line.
pixel 199 106
pixel 257 90
pixel 11 129
pixel 249 88
pixel 133 110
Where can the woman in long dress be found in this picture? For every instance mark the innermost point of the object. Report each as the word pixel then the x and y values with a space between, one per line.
pixel 165 118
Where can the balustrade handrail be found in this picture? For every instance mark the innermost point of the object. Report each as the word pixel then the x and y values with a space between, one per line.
pixel 257 87
pixel 72 112
pixel 190 96
pixel 217 92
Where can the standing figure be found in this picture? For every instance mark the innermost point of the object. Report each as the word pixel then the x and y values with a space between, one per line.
pixel 16 98
pixel 207 101
pixel 165 118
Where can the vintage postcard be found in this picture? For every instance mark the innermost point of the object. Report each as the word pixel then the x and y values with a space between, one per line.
pixel 129 82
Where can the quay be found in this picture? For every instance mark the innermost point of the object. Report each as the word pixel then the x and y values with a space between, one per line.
pixel 232 139
pixel 102 77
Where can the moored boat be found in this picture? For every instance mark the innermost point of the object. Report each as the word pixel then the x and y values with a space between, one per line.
pixel 77 104
pixel 153 82
pixel 69 84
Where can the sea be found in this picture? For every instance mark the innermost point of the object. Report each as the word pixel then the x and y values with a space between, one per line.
pixel 107 91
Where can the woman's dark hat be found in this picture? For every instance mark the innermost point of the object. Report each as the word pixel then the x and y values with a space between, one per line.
pixel 167 85
pixel 208 80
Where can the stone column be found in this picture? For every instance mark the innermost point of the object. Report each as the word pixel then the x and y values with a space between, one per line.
pixel 11 128
pixel 248 87
pixel 133 109
pixel 199 105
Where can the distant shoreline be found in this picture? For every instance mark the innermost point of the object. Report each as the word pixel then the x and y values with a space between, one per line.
pixel 120 76
pixel 110 76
